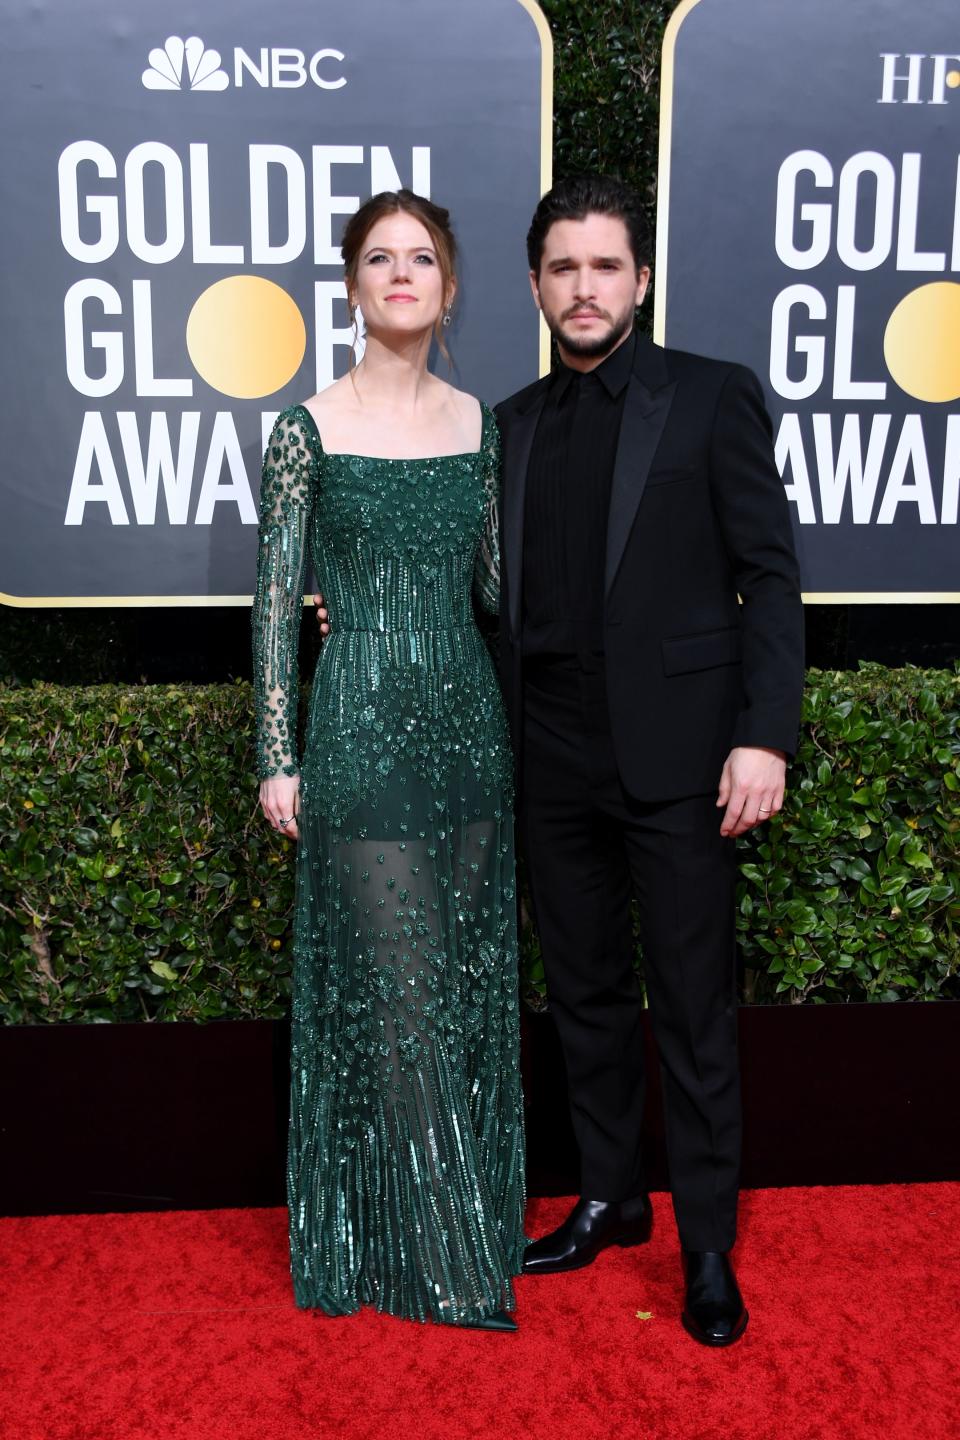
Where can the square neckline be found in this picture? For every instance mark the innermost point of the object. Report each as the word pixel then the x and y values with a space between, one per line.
pixel 398 459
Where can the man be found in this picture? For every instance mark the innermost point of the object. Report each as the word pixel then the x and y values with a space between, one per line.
pixel 640 497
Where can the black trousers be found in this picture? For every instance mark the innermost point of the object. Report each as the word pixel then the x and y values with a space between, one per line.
pixel 588 846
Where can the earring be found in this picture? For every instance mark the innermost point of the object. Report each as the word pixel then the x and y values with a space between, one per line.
pixel 447 315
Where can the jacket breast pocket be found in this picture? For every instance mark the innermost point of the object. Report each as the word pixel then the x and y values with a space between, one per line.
pixel 671 475
pixel 685 653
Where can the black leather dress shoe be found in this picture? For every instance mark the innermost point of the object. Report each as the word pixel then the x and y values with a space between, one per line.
pixel 590 1227
pixel 713 1312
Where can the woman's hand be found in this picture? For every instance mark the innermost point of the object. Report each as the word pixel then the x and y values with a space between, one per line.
pixel 280 802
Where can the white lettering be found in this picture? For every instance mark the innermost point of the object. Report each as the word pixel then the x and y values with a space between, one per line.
pixel 788 451
pixel 287 62
pixel 844 387
pixel 908 256
pixel 104 206
pixel 951 472
pixel 242 61
pixel 262 252
pixel 891 79
pixel 325 203
pixel 153 153
pixel 109 341
pixel 385 176
pixel 204 250
pixel 812 346
pixel 911 452
pixel 144 475
pixel 849 210
pixel 143 348
pixel 318 79
pixel 155 205
pixel 875 208
pixel 94 447
pixel 832 474
pixel 938 89
pixel 816 215
pixel 329 335
pixel 225 449
pixel 844 468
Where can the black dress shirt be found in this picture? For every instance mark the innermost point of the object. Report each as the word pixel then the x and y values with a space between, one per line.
pixel 567 501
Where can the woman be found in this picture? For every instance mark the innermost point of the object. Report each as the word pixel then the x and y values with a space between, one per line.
pixel 405 1171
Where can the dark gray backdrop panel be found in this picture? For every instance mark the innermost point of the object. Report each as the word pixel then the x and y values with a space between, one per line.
pixel 464 80
pixel 750 84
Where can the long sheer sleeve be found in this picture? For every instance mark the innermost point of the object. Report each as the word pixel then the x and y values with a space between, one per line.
pixel 486 574
pixel 287 494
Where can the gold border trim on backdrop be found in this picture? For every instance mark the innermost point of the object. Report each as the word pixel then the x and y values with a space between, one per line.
pixel 883 597
pixel 546 135
pixel 143 602
pixel 121 602
pixel 663 165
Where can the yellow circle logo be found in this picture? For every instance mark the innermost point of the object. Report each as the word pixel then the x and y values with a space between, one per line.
pixel 246 337
pixel 921 344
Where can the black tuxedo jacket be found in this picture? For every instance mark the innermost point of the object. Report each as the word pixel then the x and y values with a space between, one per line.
pixel 698 516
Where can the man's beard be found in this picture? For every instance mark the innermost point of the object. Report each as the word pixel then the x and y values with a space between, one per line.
pixel 591 347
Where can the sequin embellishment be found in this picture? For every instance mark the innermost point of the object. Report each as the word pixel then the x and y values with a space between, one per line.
pixel 405 1167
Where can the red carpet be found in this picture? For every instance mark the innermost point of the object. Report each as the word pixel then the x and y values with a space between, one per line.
pixel 180 1326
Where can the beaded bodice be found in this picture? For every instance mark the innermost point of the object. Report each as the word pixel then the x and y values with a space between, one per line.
pixel 397 547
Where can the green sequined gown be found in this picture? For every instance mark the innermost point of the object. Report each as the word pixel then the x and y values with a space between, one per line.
pixel 405 1169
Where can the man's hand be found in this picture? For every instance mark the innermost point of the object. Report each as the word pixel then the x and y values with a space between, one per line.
pixel 751 787
pixel 322 616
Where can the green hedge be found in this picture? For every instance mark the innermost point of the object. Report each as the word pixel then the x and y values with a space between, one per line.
pixel 606 104
pixel 607 87
pixel 854 892
pixel 137 880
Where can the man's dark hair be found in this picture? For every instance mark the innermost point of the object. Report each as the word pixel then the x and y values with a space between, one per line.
pixel 590 194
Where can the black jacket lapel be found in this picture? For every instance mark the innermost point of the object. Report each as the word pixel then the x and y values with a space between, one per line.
pixel 645 413
pixel 517 439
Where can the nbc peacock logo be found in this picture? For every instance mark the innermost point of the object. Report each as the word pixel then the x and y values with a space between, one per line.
pixel 184 65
